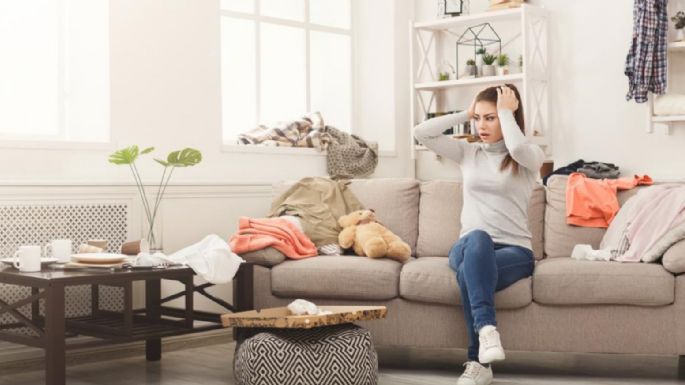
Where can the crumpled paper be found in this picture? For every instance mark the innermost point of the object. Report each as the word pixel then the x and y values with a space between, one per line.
pixel 302 307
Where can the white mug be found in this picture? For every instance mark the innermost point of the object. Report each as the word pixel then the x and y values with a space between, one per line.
pixel 27 258
pixel 60 249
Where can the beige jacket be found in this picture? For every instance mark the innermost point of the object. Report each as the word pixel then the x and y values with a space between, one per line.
pixel 319 202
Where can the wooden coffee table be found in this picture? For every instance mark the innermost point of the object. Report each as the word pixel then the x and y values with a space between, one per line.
pixel 151 323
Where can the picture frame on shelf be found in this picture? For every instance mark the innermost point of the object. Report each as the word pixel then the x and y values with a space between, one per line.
pixel 452 8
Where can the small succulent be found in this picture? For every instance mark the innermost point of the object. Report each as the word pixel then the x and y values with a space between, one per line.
pixel 521 61
pixel 679 20
pixel 480 51
pixel 489 58
pixel 470 62
pixel 503 60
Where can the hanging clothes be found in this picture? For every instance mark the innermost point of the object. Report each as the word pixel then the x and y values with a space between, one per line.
pixel 646 60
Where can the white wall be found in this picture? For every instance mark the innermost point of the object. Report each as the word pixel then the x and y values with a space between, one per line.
pixel 590 118
pixel 165 92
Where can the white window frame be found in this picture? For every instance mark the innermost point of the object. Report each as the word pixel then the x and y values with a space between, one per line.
pixel 58 141
pixel 307 26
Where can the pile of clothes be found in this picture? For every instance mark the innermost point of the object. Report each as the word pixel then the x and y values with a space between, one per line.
pixel 596 170
pixel 593 202
pixel 647 225
pixel 348 155
pixel 641 230
pixel 302 221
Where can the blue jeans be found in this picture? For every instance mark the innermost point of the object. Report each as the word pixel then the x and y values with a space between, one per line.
pixel 484 267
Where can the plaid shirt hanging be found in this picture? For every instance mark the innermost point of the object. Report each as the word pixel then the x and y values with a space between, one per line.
pixel 646 61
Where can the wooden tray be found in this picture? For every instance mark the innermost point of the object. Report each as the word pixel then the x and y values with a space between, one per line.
pixel 280 317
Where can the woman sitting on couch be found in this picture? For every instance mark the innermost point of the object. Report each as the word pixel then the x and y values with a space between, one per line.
pixel 494 249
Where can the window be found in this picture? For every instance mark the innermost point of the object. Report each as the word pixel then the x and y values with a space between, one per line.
pixel 282 59
pixel 54 72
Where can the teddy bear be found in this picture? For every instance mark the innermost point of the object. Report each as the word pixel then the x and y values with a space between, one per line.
pixel 368 237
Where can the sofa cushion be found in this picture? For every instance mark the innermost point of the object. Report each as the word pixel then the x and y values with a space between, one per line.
pixel 395 201
pixel 674 258
pixel 337 277
pixel 430 279
pixel 561 237
pixel 440 217
pixel 264 257
pixel 566 281
pixel 536 220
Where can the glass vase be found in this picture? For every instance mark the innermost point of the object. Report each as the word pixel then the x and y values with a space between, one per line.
pixel 153 237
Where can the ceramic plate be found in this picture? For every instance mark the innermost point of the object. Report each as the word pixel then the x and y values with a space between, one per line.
pixel 98 258
pixel 43 261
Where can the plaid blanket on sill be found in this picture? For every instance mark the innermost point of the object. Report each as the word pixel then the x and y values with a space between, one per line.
pixel 646 61
pixel 304 132
pixel 348 155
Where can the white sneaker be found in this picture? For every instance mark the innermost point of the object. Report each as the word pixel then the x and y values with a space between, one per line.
pixel 490 349
pixel 475 374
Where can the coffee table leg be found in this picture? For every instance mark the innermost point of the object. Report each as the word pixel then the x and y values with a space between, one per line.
pixel 243 297
pixel 55 373
pixel 153 292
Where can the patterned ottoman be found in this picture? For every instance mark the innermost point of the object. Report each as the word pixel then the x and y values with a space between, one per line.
pixel 340 354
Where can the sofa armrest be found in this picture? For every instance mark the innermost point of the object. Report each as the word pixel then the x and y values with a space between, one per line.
pixel 267 257
pixel 674 258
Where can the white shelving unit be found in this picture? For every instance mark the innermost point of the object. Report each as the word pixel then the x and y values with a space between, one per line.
pixel 532 82
pixel 674 48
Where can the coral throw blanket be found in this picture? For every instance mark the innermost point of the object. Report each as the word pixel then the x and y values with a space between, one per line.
pixel 260 233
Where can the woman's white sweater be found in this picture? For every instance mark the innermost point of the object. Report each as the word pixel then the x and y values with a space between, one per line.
pixel 494 201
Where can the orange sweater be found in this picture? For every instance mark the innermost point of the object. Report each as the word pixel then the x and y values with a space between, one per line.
pixel 593 202
pixel 259 233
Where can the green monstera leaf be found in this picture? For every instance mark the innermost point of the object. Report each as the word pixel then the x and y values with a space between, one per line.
pixel 183 158
pixel 128 155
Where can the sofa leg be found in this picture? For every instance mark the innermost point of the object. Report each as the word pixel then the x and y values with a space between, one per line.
pixel 681 367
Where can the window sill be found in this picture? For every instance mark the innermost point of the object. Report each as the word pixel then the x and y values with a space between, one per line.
pixel 273 150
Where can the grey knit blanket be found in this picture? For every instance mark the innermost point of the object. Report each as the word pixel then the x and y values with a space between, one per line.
pixel 349 156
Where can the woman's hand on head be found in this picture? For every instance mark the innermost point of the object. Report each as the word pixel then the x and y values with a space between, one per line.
pixel 506 99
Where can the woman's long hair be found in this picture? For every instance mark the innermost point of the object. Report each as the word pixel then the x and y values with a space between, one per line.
pixel 490 95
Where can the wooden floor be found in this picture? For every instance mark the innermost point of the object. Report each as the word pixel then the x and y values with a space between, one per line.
pixel 211 365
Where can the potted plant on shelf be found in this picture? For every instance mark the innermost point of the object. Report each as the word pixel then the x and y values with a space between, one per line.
pixel 470 69
pixel 479 57
pixel 445 70
pixel 182 158
pixel 679 20
pixel 488 67
pixel 503 64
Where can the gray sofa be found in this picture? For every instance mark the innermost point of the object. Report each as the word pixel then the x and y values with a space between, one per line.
pixel 567 306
